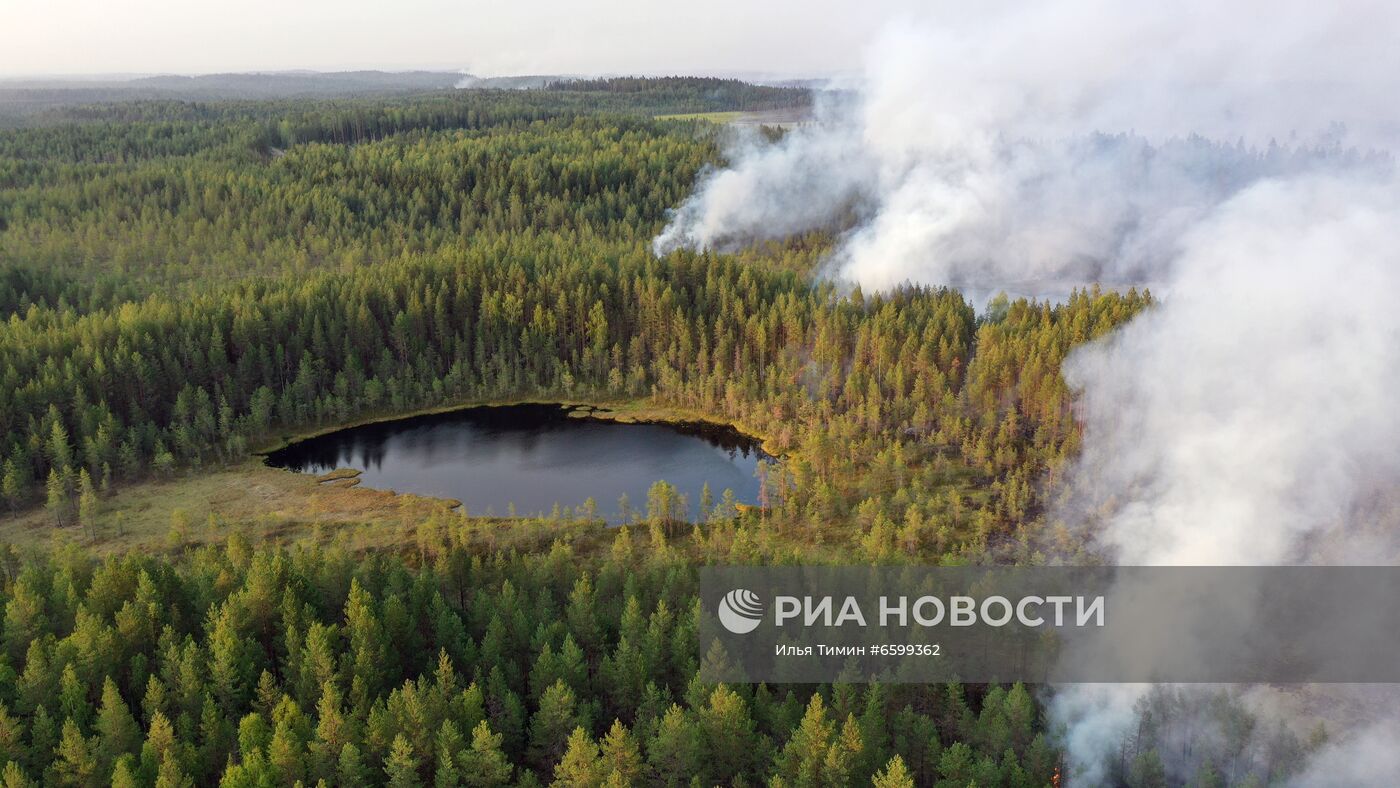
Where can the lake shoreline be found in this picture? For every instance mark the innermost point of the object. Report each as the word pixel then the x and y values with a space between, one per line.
pixel 327 454
pixel 637 411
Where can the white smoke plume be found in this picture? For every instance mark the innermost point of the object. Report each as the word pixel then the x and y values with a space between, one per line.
pixel 1033 147
pixel 1369 757
pixel 806 180
pixel 1219 152
pixel 1250 419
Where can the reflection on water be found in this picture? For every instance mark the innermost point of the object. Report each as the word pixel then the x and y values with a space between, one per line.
pixel 534 456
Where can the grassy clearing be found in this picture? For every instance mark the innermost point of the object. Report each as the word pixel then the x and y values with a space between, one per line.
pixel 259 503
pixel 787 118
pixel 203 507
pixel 712 117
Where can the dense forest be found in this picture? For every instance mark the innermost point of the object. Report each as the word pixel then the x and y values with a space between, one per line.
pixel 183 282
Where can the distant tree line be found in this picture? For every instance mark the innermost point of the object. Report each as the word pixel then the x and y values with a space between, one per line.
pixel 694 94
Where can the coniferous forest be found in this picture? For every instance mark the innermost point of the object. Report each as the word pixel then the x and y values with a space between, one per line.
pixel 183 284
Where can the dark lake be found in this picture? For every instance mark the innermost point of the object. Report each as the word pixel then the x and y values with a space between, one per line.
pixel 534 456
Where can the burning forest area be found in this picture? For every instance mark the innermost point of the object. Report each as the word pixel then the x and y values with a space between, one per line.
pixel 490 403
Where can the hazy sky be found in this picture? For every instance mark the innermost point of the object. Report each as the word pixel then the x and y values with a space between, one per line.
pixel 68 37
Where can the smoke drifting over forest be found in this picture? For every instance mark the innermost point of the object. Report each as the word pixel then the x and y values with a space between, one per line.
pixel 1248 419
pixel 1067 143
pixel 1235 157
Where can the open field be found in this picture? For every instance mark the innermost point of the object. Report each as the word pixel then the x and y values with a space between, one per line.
pixel 260 503
pixel 786 118
pixel 713 117
pixel 203 506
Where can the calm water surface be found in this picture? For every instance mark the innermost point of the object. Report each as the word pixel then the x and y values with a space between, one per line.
pixel 533 456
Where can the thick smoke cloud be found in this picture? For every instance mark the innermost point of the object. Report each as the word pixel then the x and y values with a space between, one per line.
pixel 1248 420
pixel 804 181
pixel 1369 757
pixel 1237 157
pixel 1034 147
pixel 1245 420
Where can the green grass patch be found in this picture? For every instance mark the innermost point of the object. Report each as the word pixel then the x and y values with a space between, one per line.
pixel 339 473
pixel 712 117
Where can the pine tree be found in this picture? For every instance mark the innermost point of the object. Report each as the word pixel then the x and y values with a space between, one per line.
pixel 579 767
pixel 171 775
pixel 76 763
pixel 620 755
pixel 675 749
pixel 843 755
pixel 59 449
pixel 485 765
pixel 350 770
pixel 231 662
pixel 895 775
pixel 158 751
pixel 14 483
pixel 87 504
pixel 124 773
pixel 286 753
pixel 446 749
pixel 72 697
pixel 333 732
pixel 957 765
pixel 43 737
pixel 804 757
pixel 216 740
pixel 401 766
pixel 117 730
pixel 551 726
pixel 253 733
pixel 12 747
pixel 1020 716
pixel 57 498
pixel 14 777
pixel 731 742
pixel 874 730
pixel 25 622
pixel 1147 771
